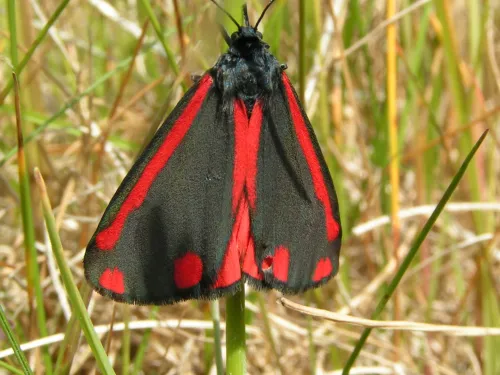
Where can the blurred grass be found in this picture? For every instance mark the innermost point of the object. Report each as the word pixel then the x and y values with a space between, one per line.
pixel 415 246
pixel 35 294
pixel 447 76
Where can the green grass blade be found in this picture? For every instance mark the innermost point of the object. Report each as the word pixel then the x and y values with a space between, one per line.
pixel 126 340
pixel 269 333
pixel 69 346
pixel 11 14
pixel 413 251
pixel 4 323
pixel 214 308
pixel 11 369
pixel 141 351
pixel 71 288
pixel 159 34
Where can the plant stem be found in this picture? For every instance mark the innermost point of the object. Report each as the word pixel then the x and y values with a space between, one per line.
pixel 235 333
pixel 392 117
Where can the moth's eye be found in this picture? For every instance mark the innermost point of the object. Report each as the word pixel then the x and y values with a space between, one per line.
pixel 259 34
pixel 234 36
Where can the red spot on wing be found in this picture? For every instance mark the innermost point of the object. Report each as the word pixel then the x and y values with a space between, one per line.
pixel 106 239
pixel 323 269
pixel 112 279
pixel 280 263
pixel 188 271
pixel 332 227
pixel 267 263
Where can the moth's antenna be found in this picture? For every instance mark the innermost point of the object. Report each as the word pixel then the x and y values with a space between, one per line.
pixel 263 13
pixel 245 16
pixel 225 35
pixel 227 13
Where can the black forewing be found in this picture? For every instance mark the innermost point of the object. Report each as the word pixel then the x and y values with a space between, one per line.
pixel 288 222
pixel 187 209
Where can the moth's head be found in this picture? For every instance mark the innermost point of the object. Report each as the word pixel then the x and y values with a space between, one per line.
pixel 247 34
pixel 246 40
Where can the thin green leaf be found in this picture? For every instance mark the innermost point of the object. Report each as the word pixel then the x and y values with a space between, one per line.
pixel 161 37
pixel 413 251
pixel 11 369
pixel 214 307
pixel 4 323
pixel 74 296
pixel 141 351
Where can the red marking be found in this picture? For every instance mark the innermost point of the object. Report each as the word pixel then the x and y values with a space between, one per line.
pixel 267 263
pixel 253 142
pixel 106 239
pixel 280 263
pixel 240 151
pixel 230 271
pixel 188 271
pixel 249 264
pixel 246 148
pixel 332 227
pixel 240 251
pixel 247 244
pixel 323 269
pixel 113 280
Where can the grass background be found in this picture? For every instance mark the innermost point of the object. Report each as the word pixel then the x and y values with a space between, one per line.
pixel 395 114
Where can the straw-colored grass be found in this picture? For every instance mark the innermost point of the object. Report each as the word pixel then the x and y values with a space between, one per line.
pixel 396 112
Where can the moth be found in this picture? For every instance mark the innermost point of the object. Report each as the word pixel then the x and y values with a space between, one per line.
pixel 232 187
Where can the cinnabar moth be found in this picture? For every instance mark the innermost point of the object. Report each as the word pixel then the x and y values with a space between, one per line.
pixel 233 186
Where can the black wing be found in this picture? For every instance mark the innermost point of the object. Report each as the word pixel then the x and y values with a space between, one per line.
pixel 165 235
pixel 293 205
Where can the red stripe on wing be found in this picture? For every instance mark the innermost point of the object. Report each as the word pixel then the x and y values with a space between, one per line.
pixel 230 271
pixel 253 142
pixel 240 252
pixel 332 227
pixel 247 256
pixel 240 151
pixel 246 150
pixel 106 239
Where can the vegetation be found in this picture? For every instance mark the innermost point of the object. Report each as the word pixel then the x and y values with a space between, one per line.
pixel 399 93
